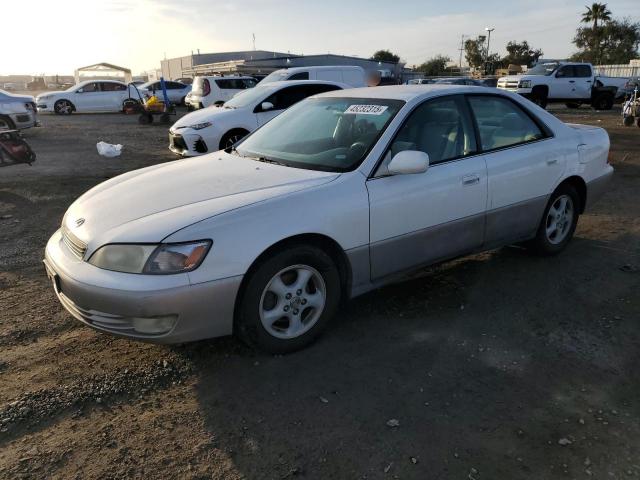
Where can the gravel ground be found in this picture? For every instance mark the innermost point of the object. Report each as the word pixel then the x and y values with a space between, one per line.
pixel 495 366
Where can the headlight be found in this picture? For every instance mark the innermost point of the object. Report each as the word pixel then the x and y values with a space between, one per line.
pixel 524 84
pixel 44 97
pixel 200 126
pixel 162 259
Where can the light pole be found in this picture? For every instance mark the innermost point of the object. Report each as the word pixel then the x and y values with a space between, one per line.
pixel 486 57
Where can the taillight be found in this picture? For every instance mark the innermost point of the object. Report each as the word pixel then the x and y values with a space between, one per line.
pixel 206 87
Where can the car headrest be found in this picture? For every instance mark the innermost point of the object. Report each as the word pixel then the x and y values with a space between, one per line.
pixel 513 121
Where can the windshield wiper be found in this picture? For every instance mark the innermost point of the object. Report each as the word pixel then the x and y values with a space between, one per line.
pixel 268 160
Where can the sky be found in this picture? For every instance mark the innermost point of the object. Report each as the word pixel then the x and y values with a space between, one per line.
pixel 55 37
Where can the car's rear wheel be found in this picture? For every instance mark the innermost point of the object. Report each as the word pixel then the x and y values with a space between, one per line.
pixel 572 105
pixel 604 101
pixel 63 107
pixel 558 222
pixel 288 299
pixel 6 123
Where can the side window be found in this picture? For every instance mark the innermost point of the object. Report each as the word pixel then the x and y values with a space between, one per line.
pixel 566 72
pixel 502 123
pixel 248 83
pixel 225 84
pixel 112 87
pixel 582 71
pixel 299 76
pixel 442 128
pixel 90 87
pixel 288 96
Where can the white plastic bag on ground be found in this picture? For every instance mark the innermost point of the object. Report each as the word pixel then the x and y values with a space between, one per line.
pixel 109 150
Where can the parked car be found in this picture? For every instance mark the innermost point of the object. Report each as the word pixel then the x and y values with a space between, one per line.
pixel 176 91
pixel 489 82
pixel 13 86
pixel 340 194
pixel 207 91
pixel 349 75
pixel 17 112
pixel 88 96
pixel 421 81
pixel 570 83
pixel 213 129
pixel 460 81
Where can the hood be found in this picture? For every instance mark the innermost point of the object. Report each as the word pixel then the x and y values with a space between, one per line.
pixel 204 115
pixel 148 205
pixel 52 93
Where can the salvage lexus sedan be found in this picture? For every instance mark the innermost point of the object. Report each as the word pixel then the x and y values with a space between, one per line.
pixel 342 193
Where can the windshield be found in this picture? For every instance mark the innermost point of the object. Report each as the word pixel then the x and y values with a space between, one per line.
pixel 542 69
pixel 249 97
pixel 329 134
pixel 276 76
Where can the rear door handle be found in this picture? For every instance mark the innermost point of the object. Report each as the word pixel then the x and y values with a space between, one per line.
pixel 572 81
pixel 552 161
pixel 471 179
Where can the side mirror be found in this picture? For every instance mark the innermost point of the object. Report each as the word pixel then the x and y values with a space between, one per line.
pixel 266 106
pixel 408 162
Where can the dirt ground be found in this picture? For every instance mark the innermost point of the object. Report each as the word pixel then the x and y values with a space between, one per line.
pixel 496 366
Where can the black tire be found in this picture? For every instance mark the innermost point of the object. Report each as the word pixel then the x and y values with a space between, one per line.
pixel 572 105
pixel 248 324
pixel 6 123
pixel 603 102
pixel 231 138
pixel 64 107
pixel 145 119
pixel 132 104
pixel 542 244
pixel 628 121
pixel 539 97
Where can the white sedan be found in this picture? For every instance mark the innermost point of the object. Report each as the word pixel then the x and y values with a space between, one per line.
pixel 215 128
pixel 339 195
pixel 89 96
pixel 176 91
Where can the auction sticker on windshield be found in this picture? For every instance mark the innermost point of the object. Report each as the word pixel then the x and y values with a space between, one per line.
pixel 366 109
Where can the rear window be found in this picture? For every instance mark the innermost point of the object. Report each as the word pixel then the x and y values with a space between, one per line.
pixel 235 83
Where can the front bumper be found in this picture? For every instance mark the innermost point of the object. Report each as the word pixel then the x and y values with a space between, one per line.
pixel 187 144
pixel 24 120
pixel 98 298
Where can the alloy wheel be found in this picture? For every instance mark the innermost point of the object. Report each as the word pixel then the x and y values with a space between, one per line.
pixel 559 219
pixel 293 301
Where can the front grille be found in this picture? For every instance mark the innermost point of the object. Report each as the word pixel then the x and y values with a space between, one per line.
pixel 510 84
pixel 23 118
pixel 178 142
pixel 76 246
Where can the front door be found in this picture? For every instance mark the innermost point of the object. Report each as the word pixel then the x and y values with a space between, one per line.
pixel 88 97
pixel 422 218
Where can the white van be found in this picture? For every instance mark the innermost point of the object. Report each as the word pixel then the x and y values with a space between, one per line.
pixel 350 75
pixel 207 91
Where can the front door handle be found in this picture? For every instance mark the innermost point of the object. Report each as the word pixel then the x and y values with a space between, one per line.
pixel 552 161
pixel 572 81
pixel 471 179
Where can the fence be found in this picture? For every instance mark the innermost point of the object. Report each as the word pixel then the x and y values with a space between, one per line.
pixel 618 70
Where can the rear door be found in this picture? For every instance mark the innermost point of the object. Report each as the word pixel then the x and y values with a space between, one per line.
pixel 112 96
pixel 522 164
pixel 583 81
pixel 287 96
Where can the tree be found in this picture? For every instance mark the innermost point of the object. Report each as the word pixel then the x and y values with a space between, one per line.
pixel 474 51
pixel 521 54
pixel 597 11
pixel 385 56
pixel 434 66
pixel 617 41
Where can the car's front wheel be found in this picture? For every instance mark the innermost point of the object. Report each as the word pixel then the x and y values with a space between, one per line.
pixel 63 107
pixel 558 222
pixel 288 299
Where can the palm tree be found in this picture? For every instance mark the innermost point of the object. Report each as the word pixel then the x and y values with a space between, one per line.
pixel 597 12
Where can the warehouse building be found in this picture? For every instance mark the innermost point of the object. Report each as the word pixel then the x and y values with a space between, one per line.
pixel 262 62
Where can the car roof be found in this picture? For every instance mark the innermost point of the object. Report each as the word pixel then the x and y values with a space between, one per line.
pixel 321 67
pixel 408 92
pixel 290 83
pixel 84 82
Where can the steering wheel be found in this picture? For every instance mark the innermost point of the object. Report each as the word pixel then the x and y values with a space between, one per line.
pixel 356 150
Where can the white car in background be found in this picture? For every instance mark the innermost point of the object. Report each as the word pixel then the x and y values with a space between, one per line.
pixel 217 128
pixel 342 193
pixel 88 96
pixel 352 76
pixel 176 91
pixel 207 91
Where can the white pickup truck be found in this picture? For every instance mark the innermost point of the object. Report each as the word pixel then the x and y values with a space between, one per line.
pixel 573 84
